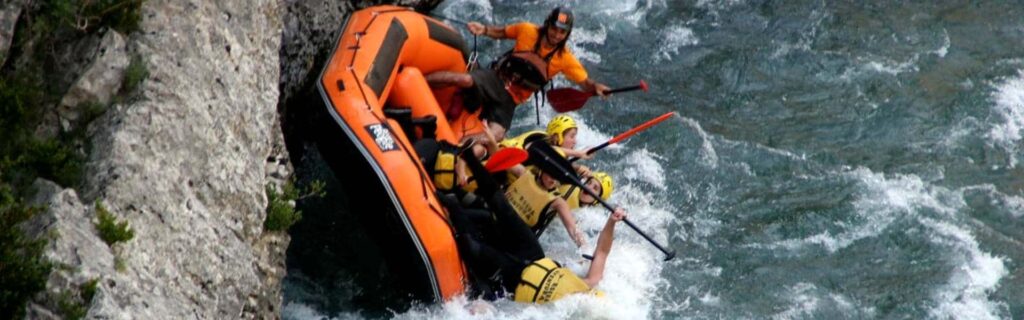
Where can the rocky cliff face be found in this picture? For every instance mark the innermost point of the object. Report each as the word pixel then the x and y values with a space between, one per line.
pixel 187 162
pixel 186 166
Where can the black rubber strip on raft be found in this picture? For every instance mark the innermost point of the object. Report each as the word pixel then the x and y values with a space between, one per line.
pixel 387 56
pixel 446 36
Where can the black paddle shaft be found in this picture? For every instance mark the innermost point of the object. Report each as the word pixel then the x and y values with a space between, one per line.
pixel 563 173
pixel 624 89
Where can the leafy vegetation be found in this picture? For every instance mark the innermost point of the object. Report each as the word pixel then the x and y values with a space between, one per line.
pixel 111 231
pixel 30 82
pixel 133 75
pixel 23 269
pixel 281 213
pixel 76 307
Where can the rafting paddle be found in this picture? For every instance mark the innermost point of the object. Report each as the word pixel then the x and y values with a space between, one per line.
pixel 627 134
pixel 505 158
pixel 569 99
pixel 558 167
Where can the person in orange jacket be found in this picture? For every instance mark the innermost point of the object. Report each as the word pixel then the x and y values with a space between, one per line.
pixel 543 47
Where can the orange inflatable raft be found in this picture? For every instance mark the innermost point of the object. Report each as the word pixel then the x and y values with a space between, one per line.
pixel 374 90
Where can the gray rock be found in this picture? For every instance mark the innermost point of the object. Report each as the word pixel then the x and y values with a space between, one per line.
pixel 187 163
pixel 185 166
pixel 9 14
pixel 75 249
pixel 100 81
pixel 310 29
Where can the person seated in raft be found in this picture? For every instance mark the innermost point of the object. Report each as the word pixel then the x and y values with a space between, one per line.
pixel 542 47
pixel 482 145
pixel 562 129
pixel 513 253
pixel 479 88
pixel 534 196
pixel 599 182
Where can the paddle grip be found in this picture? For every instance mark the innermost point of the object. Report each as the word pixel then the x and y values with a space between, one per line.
pixel 592 150
pixel 624 89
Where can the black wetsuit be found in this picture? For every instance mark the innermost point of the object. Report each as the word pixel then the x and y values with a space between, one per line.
pixel 489 91
pixel 502 242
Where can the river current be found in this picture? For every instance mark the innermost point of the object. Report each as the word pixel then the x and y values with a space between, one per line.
pixel 830 160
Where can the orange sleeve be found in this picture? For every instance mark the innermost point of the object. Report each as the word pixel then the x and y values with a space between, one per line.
pixel 567 64
pixel 513 30
pixel 524 33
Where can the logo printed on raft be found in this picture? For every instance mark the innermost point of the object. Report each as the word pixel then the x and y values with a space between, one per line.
pixel 382 136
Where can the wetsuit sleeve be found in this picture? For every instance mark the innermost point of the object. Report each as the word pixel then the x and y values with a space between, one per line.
pixel 519 246
pixel 524 243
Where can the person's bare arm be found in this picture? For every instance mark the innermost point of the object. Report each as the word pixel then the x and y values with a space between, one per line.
pixel 596 87
pixel 604 246
pixel 496 32
pixel 442 79
pixel 565 213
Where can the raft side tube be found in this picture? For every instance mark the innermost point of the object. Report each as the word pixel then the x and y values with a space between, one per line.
pixel 358 79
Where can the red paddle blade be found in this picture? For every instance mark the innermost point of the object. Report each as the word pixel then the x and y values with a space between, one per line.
pixel 567 99
pixel 505 158
pixel 643 85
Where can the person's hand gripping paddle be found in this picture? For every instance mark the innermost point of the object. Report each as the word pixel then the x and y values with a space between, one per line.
pixel 627 134
pixel 569 99
pixel 544 156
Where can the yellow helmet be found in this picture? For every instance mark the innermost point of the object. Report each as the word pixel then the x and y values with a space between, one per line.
pixel 606 184
pixel 558 126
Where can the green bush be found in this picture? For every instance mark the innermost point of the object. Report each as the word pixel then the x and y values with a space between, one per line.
pixel 110 230
pixel 23 268
pixel 88 289
pixel 133 75
pixel 72 307
pixel 281 215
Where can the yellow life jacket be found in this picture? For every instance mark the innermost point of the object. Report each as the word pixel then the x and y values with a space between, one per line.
pixel 528 199
pixel 571 194
pixel 444 171
pixel 545 281
pixel 521 140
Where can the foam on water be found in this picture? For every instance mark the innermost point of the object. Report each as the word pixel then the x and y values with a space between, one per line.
pixel 671 40
pixel 708 155
pixel 965 295
pixel 583 36
pixel 882 202
pixel 885 200
pixel 467 8
pixel 297 310
pixel 944 49
pixel 1009 113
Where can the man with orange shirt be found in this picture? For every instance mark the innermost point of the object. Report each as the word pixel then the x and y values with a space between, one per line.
pixel 544 47
pixel 540 53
